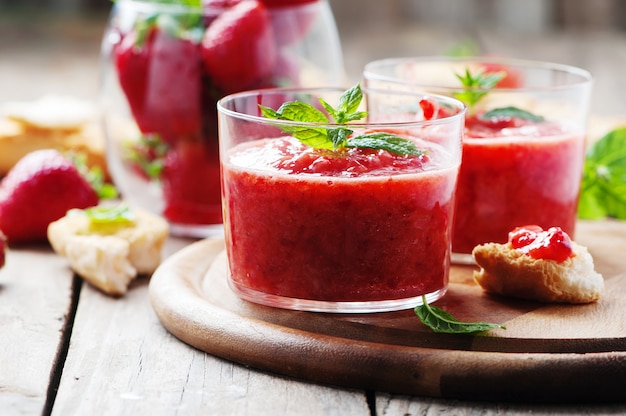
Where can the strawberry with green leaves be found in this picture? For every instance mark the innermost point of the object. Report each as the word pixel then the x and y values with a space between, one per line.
pixel 160 71
pixel 39 189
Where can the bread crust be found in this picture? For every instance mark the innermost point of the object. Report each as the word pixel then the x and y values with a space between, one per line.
pixel 50 123
pixel 509 272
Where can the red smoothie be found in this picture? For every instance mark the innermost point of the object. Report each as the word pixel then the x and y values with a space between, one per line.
pixel 367 225
pixel 516 172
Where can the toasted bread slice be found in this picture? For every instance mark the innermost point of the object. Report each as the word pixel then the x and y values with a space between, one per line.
pixel 510 272
pixel 61 123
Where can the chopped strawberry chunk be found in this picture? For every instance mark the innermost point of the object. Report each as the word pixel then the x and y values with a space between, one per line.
pixel 551 244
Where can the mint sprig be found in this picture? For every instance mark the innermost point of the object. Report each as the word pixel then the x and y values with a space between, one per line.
pixel 476 86
pixel 441 321
pixel 319 136
pixel 603 188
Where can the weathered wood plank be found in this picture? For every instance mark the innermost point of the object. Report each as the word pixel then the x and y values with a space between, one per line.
pixel 391 405
pixel 35 298
pixel 122 361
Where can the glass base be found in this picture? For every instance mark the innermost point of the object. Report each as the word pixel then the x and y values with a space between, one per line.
pixel 462 259
pixel 197 230
pixel 310 305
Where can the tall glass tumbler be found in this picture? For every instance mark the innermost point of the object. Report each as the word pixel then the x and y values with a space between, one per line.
pixel 524 140
pixel 346 229
pixel 165 65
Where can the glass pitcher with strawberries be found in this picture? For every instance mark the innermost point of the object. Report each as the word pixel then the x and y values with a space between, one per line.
pixel 165 64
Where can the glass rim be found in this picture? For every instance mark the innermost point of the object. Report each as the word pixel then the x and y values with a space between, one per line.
pixel 180 8
pixel 584 76
pixel 150 6
pixel 457 104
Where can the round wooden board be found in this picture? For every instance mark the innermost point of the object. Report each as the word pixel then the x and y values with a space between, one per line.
pixel 548 353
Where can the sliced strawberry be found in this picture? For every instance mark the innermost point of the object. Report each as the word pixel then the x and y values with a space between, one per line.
pixel 239 48
pixel 160 75
pixel 40 188
pixel 191 183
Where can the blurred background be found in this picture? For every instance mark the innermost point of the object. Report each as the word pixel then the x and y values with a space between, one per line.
pixel 52 46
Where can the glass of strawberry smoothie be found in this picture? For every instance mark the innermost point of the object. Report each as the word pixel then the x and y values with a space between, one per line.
pixel 349 229
pixel 524 139
pixel 164 67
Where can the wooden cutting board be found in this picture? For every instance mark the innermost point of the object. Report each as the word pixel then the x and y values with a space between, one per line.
pixel 548 353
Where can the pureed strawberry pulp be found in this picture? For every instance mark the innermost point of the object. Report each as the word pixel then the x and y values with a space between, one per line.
pixel 345 230
pixel 516 172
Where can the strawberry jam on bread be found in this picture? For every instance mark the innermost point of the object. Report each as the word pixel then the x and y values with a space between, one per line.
pixel 537 264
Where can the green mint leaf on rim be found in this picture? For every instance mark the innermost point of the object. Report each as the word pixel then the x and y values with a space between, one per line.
pixel 603 188
pixel 338 137
pixel 441 321
pixel 476 86
pixel 316 137
pixel 385 141
pixel 512 112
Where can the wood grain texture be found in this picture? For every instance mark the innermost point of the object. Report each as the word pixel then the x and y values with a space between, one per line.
pixel 35 296
pixel 122 361
pixel 540 357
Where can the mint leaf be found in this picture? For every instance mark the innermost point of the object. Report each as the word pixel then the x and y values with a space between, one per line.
pixel 110 214
pixel 348 105
pixel 302 112
pixel 512 112
pixel 299 111
pixel 603 187
pixel 336 137
pixel 441 321
pixel 339 136
pixel 385 141
pixel 475 86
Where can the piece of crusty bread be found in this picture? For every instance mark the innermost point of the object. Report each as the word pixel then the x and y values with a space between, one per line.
pixel 52 122
pixel 110 257
pixel 510 272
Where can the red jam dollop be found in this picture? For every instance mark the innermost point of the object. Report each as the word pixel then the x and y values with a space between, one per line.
pixel 551 244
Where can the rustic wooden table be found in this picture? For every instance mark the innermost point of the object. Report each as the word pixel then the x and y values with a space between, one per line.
pixel 68 349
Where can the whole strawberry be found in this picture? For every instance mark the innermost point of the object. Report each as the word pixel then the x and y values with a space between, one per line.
pixel 239 48
pixel 161 75
pixel 40 188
